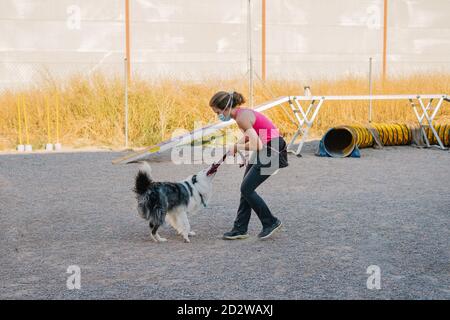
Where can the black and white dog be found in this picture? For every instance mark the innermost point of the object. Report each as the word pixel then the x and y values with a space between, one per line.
pixel 171 201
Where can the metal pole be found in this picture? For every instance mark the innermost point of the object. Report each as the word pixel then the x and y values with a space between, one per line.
pixel 127 37
pixel 385 37
pixel 263 41
pixel 249 52
pixel 370 89
pixel 126 101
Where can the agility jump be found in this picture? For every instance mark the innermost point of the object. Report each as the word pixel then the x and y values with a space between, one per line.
pixel 305 118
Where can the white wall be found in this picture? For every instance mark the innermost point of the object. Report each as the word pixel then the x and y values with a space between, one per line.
pixel 196 38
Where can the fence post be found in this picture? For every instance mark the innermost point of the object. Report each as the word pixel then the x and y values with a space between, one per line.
pixel 370 89
pixel 249 52
pixel 126 102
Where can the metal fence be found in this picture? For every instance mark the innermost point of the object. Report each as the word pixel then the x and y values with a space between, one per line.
pixel 199 39
pixel 196 39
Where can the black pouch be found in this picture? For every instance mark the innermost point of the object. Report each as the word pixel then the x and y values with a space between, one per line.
pixel 283 154
pixel 273 155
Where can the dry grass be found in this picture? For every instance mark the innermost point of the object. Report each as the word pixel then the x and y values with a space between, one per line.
pixel 91 109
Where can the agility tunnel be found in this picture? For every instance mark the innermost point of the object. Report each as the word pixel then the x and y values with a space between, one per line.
pixel 343 141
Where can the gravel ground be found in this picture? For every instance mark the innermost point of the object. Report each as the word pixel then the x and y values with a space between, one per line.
pixel 390 208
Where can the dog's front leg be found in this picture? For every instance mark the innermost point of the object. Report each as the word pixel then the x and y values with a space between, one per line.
pixel 186 228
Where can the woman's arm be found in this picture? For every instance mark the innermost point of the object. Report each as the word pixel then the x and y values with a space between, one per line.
pixel 252 140
pixel 253 143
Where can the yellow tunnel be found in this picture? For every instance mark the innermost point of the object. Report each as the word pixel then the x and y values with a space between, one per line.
pixel 341 141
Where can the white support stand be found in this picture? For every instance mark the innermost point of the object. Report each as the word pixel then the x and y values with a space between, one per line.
pixel 429 118
pixel 305 121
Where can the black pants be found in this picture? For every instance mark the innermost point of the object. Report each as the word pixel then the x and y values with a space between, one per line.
pixel 250 199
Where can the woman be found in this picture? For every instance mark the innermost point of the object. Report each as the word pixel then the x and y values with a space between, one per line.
pixel 261 136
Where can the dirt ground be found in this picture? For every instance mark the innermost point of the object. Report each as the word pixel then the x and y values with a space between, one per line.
pixel 389 208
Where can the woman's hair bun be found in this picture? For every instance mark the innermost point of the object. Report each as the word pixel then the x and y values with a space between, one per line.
pixel 238 99
pixel 221 98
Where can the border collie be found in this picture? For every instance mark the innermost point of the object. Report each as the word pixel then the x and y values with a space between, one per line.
pixel 171 201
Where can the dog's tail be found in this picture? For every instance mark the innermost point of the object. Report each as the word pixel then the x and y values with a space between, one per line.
pixel 143 179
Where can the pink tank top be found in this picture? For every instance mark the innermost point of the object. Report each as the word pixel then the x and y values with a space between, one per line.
pixel 265 129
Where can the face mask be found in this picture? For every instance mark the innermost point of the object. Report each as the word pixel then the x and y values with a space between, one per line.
pixel 223 117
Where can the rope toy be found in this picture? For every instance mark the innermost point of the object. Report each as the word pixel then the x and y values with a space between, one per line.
pixel 216 165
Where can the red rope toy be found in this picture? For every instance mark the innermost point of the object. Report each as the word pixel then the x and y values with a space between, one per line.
pixel 217 164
